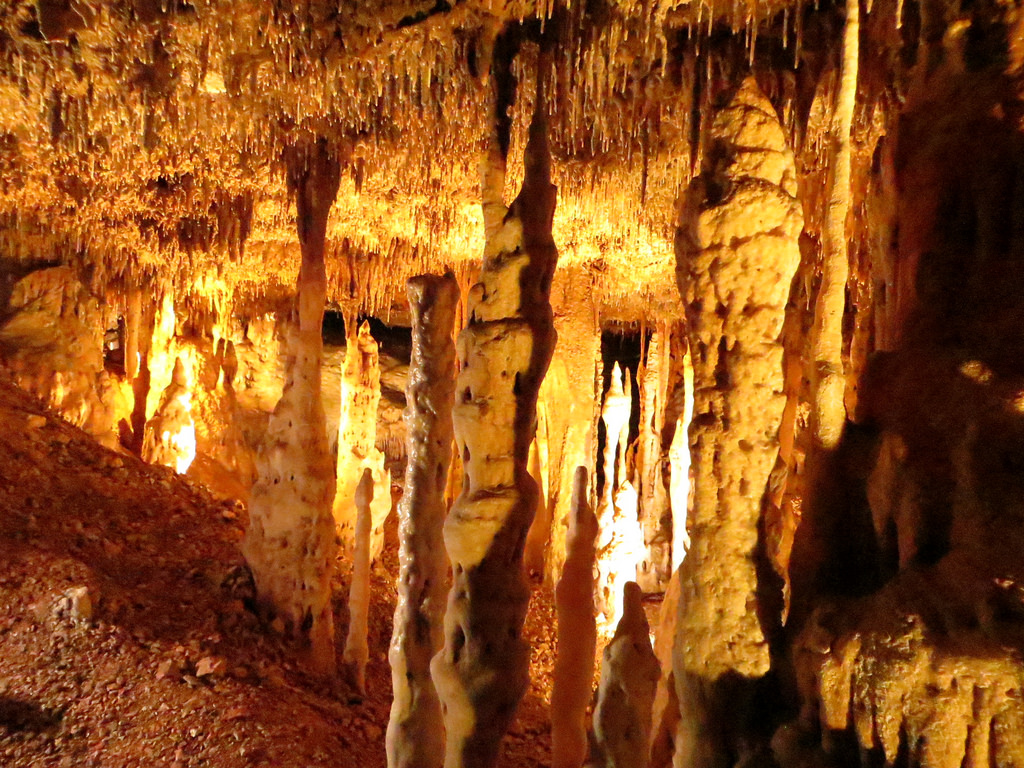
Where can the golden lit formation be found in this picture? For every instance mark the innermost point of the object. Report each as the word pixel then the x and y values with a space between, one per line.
pixel 506 383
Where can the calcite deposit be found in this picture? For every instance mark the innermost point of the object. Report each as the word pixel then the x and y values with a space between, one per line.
pixel 357 440
pixel 171 433
pixel 577 638
pixel 415 737
pixel 290 541
pixel 737 254
pixel 629 675
pixel 504 351
pixel 620 545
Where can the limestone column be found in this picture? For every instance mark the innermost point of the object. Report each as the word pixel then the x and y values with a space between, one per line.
pixel 290 542
pixel 629 675
pixel 357 438
pixel 572 685
pixel 483 670
pixel 737 253
pixel 415 737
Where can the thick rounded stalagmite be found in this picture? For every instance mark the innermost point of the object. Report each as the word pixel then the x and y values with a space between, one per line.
pixel 483 670
pixel 415 737
pixel 572 682
pixel 290 544
pixel 737 252
pixel 629 676
pixel 357 438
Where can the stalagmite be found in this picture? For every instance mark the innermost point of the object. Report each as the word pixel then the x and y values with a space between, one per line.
pixel 483 670
pixel 577 635
pixel 357 651
pixel 171 433
pixel 415 737
pixel 737 252
pixel 290 542
pixel 829 384
pixel 357 436
pixel 629 675
pixel 620 538
pixel 655 568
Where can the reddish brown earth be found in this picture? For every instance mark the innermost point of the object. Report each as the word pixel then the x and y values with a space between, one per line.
pixel 170 667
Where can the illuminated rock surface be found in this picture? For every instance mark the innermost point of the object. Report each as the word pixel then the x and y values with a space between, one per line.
pixel 737 250
pixel 415 736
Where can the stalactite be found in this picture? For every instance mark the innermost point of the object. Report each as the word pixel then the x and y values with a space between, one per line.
pixel 577 634
pixel 415 737
pixel 629 674
pixel 357 650
pixel 504 352
pixel 829 383
pixel 357 438
pixel 620 538
pixel 737 252
pixel 290 541
pixel 655 568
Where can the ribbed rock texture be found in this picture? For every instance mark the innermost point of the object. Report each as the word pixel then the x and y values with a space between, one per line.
pixel 629 675
pixel 290 544
pixel 572 682
pixel 415 736
pixel 504 352
pixel 737 253
pixel 357 440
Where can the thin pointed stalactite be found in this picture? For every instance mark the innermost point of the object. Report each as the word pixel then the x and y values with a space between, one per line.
pixel 483 670
pixel 290 544
pixel 415 737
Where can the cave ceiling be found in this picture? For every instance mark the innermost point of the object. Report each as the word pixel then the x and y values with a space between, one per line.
pixel 144 140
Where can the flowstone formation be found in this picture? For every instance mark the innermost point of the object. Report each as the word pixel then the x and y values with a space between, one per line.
pixel 357 438
pixel 737 252
pixel 577 634
pixel 290 544
pixel 629 676
pixel 504 351
pixel 415 736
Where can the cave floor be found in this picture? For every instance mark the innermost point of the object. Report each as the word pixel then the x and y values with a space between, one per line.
pixel 127 636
